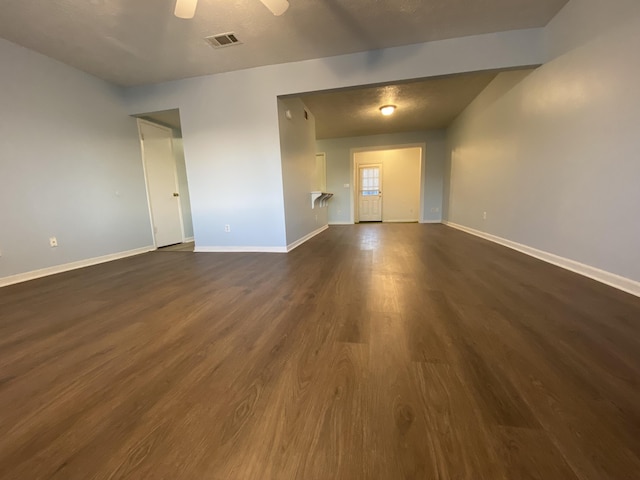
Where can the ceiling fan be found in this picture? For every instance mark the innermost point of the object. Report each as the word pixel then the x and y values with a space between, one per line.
pixel 187 8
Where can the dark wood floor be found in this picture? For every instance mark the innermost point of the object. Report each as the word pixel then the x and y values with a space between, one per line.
pixel 178 247
pixel 371 352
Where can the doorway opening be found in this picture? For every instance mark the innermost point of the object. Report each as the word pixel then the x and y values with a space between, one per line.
pixel 388 186
pixel 166 180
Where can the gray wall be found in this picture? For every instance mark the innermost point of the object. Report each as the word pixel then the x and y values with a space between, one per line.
pixel 70 166
pixel 230 123
pixel 553 156
pixel 298 151
pixel 340 170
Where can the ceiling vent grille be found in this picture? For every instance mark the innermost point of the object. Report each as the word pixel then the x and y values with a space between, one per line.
pixel 222 40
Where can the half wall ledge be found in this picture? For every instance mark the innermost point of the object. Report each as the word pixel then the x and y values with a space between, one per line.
pixel 320 199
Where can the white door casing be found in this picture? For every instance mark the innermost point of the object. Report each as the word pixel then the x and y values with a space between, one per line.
pixel 162 183
pixel 370 193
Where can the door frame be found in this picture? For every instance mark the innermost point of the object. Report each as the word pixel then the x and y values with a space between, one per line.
pixel 141 122
pixel 358 188
pixel 354 173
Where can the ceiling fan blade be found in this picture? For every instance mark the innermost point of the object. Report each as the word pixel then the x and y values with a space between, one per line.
pixel 277 7
pixel 185 8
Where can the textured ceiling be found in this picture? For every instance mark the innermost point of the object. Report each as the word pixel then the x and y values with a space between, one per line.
pixel 132 42
pixel 422 105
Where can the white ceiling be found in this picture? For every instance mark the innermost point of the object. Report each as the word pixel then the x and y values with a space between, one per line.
pixel 132 42
pixel 422 105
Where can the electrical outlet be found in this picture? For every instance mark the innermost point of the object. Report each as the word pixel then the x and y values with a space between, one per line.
pixel 227 228
pixel 53 241
pixel 484 215
pixel 435 210
pixel 346 185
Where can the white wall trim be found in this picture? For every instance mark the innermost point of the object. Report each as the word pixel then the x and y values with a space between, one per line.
pixel 432 221
pixel 189 239
pixel 622 283
pixel 309 236
pixel 240 249
pixel 43 272
pixel 402 220
pixel 341 223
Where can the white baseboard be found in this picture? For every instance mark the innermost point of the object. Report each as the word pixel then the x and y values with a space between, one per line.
pixel 300 241
pixel 391 221
pixel 43 272
pixel 401 220
pixel 240 249
pixel 608 278
pixel 188 239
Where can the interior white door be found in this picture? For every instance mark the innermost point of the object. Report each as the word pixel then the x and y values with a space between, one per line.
pixel 162 184
pixel 370 197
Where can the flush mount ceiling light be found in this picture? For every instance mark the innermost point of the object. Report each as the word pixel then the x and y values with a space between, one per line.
pixel 187 8
pixel 277 7
pixel 387 110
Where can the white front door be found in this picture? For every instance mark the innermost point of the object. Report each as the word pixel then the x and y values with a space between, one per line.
pixel 162 183
pixel 370 193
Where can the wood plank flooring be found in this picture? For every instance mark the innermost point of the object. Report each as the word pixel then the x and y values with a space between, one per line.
pixel 178 247
pixel 397 351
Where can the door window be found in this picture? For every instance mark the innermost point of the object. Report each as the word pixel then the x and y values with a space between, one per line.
pixel 370 181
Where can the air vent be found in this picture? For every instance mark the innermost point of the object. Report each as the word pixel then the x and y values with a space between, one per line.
pixel 222 40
